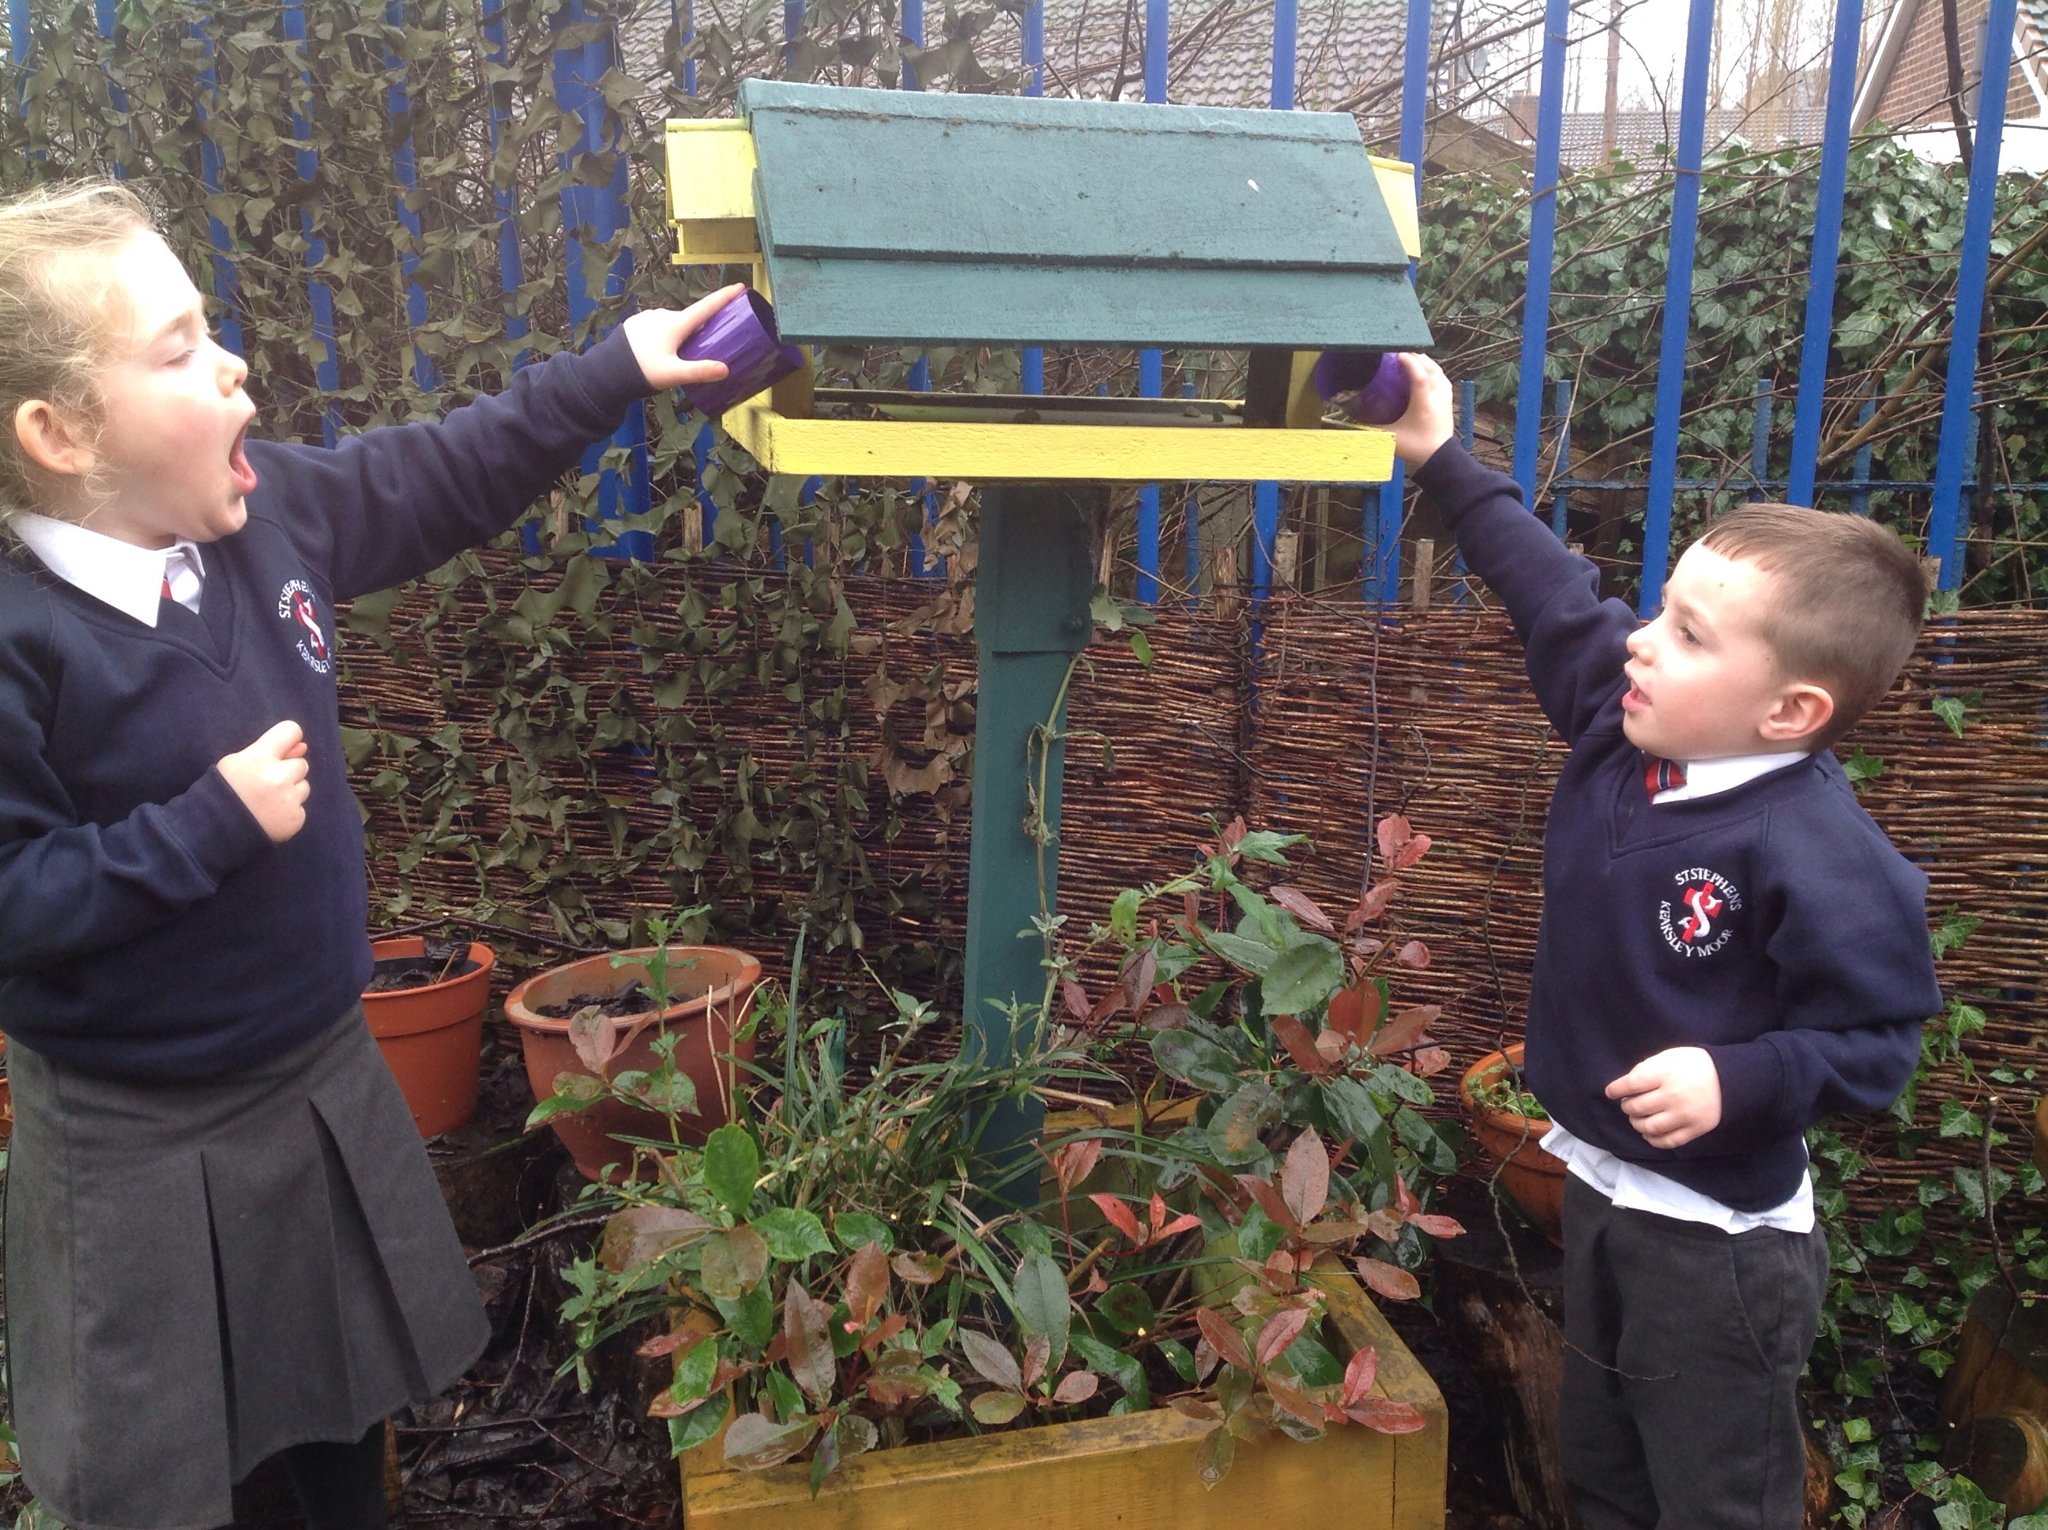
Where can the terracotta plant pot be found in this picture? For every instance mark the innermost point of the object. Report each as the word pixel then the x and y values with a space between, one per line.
pixel 431 1036
pixel 1533 1179
pixel 711 986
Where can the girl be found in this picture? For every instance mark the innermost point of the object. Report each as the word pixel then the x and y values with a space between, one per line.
pixel 223 1239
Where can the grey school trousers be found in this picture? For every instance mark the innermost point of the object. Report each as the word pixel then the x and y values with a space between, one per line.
pixel 1683 1349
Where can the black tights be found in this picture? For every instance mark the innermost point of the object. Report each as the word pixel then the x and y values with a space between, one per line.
pixel 341 1487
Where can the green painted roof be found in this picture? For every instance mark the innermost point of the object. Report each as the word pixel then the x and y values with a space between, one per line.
pixel 892 215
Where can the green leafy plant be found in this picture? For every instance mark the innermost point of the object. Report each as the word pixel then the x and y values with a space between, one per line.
pixel 597 1033
pixel 1899 1288
pixel 1954 710
pixel 807 1308
pixel 1234 987
pixel 1500 1088
pixel 1862 768
pixel 1756 222
pixel 845 1267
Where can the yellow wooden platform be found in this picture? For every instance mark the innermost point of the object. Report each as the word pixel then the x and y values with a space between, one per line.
pixel 986 438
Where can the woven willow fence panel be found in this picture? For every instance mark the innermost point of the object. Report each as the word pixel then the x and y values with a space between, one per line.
pixel 1140 777
pixel 1322 726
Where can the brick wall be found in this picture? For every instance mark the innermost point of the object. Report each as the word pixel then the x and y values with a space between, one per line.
pixel 1917 95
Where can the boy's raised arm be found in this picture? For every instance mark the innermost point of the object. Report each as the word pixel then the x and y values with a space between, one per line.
pixel 1575 643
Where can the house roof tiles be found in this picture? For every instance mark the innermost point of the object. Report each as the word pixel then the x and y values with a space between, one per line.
pixel 1639 132
pixel 1221 54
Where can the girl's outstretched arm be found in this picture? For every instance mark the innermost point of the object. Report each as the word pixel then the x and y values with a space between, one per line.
pixel 396 501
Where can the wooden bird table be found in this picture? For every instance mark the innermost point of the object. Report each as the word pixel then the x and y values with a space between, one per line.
pixel 897 217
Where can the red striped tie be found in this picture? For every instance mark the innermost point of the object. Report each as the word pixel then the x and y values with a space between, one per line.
pixel 1661 775
pixel 174 562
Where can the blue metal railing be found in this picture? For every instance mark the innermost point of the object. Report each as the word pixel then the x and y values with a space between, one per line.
pixel 405 167
pixel 684 12
pixel 1827 243
pixel 596 216
pixel 106 20
pixel 1381 533
pixel 504 189
pixel 920 379
pixel 1958 433
pixel 1266 494
pixel 20 43
pixel 1685 219
pixel 1032 368
pixel 1151 361
pixel 319 296
pixel 1543 241
pixel 226 289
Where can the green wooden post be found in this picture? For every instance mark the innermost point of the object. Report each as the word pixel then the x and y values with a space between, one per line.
pixel 1030 617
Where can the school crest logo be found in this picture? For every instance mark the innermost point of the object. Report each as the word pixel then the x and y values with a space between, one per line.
pixel 295 604
pixel 1699 918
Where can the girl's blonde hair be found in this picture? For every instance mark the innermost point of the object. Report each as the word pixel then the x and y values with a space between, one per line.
pixel 58 309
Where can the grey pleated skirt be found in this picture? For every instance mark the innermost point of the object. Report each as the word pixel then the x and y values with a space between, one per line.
pixel 200 1274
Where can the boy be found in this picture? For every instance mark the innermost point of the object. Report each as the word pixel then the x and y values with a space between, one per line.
pixel 1730 949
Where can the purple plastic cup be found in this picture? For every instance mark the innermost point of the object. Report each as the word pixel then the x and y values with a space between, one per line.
pixel 742 334
pixel 1376 380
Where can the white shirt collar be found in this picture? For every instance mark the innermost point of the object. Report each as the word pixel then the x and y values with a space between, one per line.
pixel 124 576
pixel 1708 778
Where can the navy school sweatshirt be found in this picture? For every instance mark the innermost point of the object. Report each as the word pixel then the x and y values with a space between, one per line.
pixel 148 926
pixel 1773 924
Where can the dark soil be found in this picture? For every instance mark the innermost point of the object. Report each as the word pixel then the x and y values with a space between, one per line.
pixel 515 1442
pixel 1478 1496
pixel 395 973
pixel 630 1000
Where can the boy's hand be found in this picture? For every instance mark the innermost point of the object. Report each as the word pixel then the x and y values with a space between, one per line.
pixel 656 334
pixel 270 778
pixel 1671 1097
pixel 1428 422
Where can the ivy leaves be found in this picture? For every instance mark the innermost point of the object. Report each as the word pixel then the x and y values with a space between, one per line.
pixel 1896 279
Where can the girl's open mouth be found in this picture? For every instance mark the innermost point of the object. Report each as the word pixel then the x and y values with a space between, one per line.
pixel 1635 700
pixel 238 464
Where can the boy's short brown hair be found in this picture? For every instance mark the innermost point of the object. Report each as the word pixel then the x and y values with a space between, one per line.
pixel 1844 601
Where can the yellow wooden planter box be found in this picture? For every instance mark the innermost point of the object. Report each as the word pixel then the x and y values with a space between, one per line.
pixel 1137 1472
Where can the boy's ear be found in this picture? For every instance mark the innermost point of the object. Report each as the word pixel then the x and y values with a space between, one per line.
pixel 49 439
pixel 1802 710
